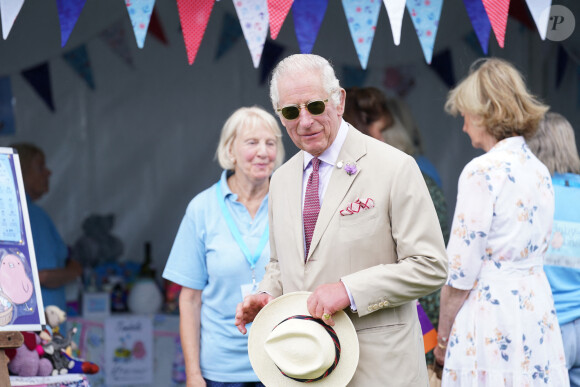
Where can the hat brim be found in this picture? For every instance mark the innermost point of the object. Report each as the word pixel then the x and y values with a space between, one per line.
pixel 291 304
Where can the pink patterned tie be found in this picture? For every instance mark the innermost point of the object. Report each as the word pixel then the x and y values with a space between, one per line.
pixel 311 205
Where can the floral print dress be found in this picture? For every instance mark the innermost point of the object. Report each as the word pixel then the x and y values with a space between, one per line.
pixel 506 333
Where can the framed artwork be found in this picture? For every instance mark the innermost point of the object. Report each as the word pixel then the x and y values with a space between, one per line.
pixel 21 307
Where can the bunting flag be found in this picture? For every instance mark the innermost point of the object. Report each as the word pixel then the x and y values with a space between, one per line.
pixel 278 10
pixel 39 79
pixel 443 66
pixel 395 10
pixel 9 10
pixel 472 41
pixel 272 53
pixel 194 16
pixel 68 14
pixel 479 21
pixel 362 16
pixel 497 11
pixel 308 15
pixel 541 18
pixel 230 34
pixel 6 107
pixel 519 11
pixel 115 37
pixel 156 29
pixel 429 332
pixel 253 15
pixel 353 77
pixel 561 64
pixel 140 14
pixel 78 59
pixel 399 79
pixel 425 16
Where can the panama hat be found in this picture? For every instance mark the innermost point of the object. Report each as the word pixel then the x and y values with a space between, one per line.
pixel 288 347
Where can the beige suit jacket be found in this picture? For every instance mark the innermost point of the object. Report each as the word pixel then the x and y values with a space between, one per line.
pixel 387 256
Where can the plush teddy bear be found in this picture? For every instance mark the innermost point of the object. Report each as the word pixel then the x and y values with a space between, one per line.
pixel 26 360
pixel 98 245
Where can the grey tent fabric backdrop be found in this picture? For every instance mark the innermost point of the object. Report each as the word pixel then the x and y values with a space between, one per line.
pixel 142 144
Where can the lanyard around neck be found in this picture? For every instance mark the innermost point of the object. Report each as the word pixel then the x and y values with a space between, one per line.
pixel 252 259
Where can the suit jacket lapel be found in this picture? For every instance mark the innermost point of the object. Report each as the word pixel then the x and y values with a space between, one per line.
pixel 294 201
pixel 340 182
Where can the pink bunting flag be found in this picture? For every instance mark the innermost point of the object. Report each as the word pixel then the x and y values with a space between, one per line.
pixel 68 14
pixel 253 15
pixel 9 9
pixel 541 14
pixel 115 37
pixel 278 10
pixel 497 11
pixel 425 15
pixel 395 10
pixel 362 16
pixel 194 16
pixel 140 14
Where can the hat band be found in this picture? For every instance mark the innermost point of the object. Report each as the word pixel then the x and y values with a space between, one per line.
pixel 332 335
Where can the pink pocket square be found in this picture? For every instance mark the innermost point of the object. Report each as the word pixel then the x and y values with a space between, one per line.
pixel 356 206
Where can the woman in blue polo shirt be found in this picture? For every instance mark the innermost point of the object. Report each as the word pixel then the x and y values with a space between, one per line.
pixel 221 250
pixel 555 146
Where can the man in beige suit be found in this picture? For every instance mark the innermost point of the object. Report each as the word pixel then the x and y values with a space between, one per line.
pixel 376 245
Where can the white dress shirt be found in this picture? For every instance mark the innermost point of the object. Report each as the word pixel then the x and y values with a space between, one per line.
pixel 328 160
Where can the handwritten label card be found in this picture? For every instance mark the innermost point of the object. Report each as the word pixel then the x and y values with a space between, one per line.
pixel 129 350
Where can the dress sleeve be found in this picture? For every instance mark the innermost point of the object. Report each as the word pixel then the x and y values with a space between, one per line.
pixel 474 212
pixel 186 265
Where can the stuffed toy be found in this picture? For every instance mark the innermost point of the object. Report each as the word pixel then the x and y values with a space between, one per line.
pixel 56 347
pixel 98 245
pixel 26 360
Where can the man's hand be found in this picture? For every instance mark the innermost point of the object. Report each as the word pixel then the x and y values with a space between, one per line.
pixel 249 308
pixel 326 300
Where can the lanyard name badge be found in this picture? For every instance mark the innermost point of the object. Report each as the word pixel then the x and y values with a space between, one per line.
pixel 252 259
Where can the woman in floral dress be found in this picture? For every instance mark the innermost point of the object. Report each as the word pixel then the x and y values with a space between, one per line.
pixel 497 323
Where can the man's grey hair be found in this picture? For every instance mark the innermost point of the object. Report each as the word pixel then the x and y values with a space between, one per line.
pixel 302 64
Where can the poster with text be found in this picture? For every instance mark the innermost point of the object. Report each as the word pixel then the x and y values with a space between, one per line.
pixel 129 350
pixel 21 307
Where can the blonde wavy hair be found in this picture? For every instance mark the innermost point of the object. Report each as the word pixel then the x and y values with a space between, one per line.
pixel 495 93
pixel 247 117
pixel 554 144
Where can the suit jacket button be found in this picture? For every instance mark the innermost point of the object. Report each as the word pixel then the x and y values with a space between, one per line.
pixel 382 304
pixel 370 308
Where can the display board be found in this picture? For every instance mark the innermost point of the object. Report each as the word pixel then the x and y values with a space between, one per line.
pixel 21 307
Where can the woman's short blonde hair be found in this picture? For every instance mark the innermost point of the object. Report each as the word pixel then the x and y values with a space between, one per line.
pixel 495 92
pixel 554 144
pixel 247 117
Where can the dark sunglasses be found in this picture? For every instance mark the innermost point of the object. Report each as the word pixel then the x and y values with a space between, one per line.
pixel 316 108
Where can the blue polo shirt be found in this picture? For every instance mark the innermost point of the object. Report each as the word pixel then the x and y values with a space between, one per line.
pixel 563 264
pixel 206 257
pixel 51 252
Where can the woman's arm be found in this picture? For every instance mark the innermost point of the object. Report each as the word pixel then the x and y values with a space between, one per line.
pixel 55 278
pixel 189 329
pixel 451 301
